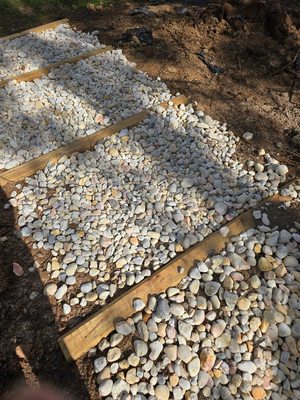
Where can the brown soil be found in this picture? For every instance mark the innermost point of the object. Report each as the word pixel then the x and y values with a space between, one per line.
pixel 255 94
pixel 255 42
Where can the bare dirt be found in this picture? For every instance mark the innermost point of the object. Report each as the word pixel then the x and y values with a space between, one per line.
pixel 257 46
pixel 255 42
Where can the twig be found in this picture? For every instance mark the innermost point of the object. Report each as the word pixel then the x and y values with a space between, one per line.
pixel 288 64
pixel 239 63
pixel 292 89
pixel 273 98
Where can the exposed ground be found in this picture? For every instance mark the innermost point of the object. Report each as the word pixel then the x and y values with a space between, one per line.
pixel 259 91
pixel 251 43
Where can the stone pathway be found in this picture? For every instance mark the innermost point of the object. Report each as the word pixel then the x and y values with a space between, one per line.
pixel 231 330
pixel 111 216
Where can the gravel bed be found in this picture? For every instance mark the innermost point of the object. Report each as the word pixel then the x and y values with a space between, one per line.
pixel 111 216
pixel 230 330
pixel 36 50
pixel 72 101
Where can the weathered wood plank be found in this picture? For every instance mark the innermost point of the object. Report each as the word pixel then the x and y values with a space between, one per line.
pixel 87 334
pixel 38 29
pixel 80 145
pixel 37 73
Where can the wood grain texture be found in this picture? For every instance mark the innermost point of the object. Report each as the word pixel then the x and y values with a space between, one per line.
pixel 37 73
pixel 28 168
pixel 87 334
pixel 38 29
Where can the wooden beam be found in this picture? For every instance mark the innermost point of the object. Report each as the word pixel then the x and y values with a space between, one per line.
pixel 28 168
pixel 38 29
pixel 88 333
pixel 37 73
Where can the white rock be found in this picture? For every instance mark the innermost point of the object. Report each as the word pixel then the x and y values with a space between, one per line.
pixel 248 136
pixel 162 392
pixel 140 348
pixel 105 387
pixel 50 289
pixel 119 387
pixel 138 304
pixel 224 231
pixel 155 349
pixel 99 364
pixel 187 183
pixel 247 366
pixel 194 367
pixel 66 308
pixel 61 291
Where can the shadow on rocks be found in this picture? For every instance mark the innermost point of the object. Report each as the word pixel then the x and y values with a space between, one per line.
pixel 29 353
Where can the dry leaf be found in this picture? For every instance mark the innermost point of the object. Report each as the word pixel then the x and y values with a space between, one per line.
pixel 20 354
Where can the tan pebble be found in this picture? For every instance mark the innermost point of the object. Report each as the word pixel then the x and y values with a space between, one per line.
pixel 228 283
pixel 226 261
pixel 55 265
pixel 232 388
pixel 255 282
pixel 264 264
pixel 264 326
pixel 114 192
pixel 162 392
pixel 162 326
pixel 39 105
pixel 133 360
pixel 258 393
pixel 201 328
pixel 239 339
pixel 296 276
pixel 207 359
pixel 134 240
pixel 121 262
pixel 92 296
pixel 105 374
pixel 67 246
pixel 99 119
pixel 255 323
pixel 123 364
pixel 244 304
pixel 82 181
pixel 257 248
pixel 124 139
pixel 174 379
pixel 113 152
pixel 217 373
pixel 250 346
pixel 106 277
pixel 171 352
pixel 282 309
pixel 292 345
pixel 121 375
pixel 113 354
pixel 178 248
pixel 131 377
